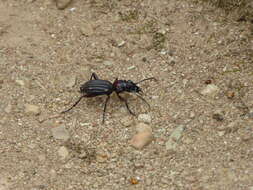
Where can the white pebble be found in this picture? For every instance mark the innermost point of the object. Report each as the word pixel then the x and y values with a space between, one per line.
pixel 126 121
pixel 121 43
pixel 144 118
pixel 60 133
pixel 20 82
pixel 131 67
pixel 63 152
pixel 32 109
pixel 210 90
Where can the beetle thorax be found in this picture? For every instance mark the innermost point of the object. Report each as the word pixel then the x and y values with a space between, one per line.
pixel 127 86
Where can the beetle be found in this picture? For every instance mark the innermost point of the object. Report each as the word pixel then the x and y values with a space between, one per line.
pixel 97 87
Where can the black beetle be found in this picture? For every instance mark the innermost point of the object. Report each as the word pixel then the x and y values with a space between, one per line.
pixel 96 87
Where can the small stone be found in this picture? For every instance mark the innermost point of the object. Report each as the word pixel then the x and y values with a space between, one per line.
pixel 250 115
pixel 122 43
pixel 63 152
pixel 218 117
pixel 32 109
pixel 71 81
pixel 184 82
pixel 230 94
pixel 20 82
pixel 176 134
pixel 72 9
pixel 62 4
pixel 192 114
pixel 210 90
pixel 83 155
pixel 155 97
pixel 4 182
pixel 142 127
pixel 134 181
pixel 108 63
pixel 221 133
pixel 208 81
pixel 142 139
pixel 126 121
pixel 144 118
pixel 87 29
pixel 101 158
pixel 8 108
pixel 41 157
pixel 131 67
pixel 60 133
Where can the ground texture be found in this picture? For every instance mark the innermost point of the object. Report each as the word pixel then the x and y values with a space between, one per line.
pixel 201 57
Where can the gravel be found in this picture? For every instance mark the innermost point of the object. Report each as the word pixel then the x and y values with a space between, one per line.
pixel 60 133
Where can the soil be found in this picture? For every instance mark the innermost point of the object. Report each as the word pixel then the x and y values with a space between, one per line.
pixel 47 53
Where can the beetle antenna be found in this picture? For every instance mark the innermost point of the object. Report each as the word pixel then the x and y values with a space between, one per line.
pixel 139 96
pixel 73 105
pixel 151 78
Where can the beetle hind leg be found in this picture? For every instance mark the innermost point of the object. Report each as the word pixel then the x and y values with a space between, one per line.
pixel 106 101
pixel 94 76
pixel 74 105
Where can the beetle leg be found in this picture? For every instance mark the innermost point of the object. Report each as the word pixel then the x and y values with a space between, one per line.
pixel 106 101
pixel 139 96
pixel 73 105
pixel 94 75
pixel 124 100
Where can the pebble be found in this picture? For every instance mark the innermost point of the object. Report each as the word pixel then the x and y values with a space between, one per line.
pixel 101 158
pixel 230 94
pixel 126 121
pixel 62 4
pixel 133 181
pixel 176 134
pixel 8 108
pixel 108 63
pixel 87 30
pixel 71 81
pixel 221 133
pixel 142 127
pixel 32 109
pixel 4 182
pixel 140 140
pixel 60 133
pixel 210 90
pixel 20 82
pixel 192 114
pixel 218 117
pixel 143 137
pixel 131 67
pixel 63 152
pixel 144 118
pixel 122 43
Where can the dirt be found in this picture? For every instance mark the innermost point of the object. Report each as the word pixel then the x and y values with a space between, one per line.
pixel 47 53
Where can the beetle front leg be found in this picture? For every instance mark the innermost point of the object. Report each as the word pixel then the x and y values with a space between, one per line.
pixel 124 100
pixel 106 101
pixel 94 75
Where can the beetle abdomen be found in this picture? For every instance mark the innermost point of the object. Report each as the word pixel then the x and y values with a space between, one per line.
pixel 97 87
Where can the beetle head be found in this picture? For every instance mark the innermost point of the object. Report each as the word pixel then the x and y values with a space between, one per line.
pixel 132 87
pixel 126 86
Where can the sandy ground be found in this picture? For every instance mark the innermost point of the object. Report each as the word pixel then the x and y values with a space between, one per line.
pixel 47 53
